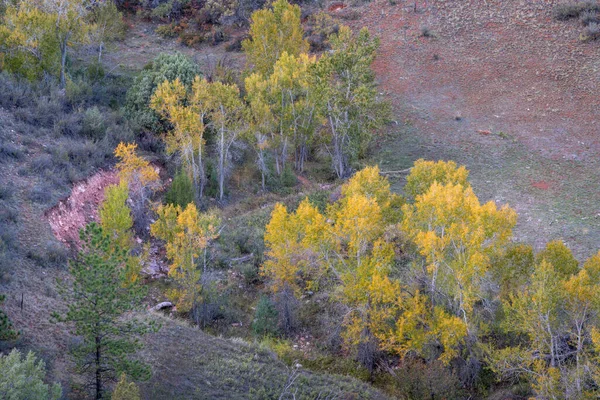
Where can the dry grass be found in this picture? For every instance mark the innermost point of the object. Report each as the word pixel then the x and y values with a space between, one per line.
pixel 189 364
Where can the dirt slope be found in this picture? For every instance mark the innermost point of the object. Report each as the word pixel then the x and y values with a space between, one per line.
pixel 506 90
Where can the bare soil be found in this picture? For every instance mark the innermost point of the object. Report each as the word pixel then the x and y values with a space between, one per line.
pixel 501 87
pixel 81 207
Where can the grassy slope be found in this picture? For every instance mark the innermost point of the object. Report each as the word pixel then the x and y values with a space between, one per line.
pixel 189 364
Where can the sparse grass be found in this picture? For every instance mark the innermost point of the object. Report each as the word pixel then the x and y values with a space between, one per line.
pixel 588 13
pixel 190 364
pixel 9 151
pixel 571 10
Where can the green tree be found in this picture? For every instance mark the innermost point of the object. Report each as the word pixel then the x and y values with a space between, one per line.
pixel 115 216
pixel 284 105
pixel 6 327
pixel 28 46
pixel 165 67
pixel 348 94
pixel 273 32
pixel 108 25
pixel 22 378
pixel 560 256
pixel 181 192
pixel 265 318
pixel 99 300
pixel 37 27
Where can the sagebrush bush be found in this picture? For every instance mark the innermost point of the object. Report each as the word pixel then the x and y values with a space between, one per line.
pixel 10 151
pixel 15 92
pixel 94 125
pixel 6 192
pixel 41 194
pixel 587 17
pixel 567 11
pixel 593 31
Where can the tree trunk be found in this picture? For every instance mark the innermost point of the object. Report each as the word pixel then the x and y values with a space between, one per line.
pixel 222 164
pixel 63 62
pixel 98 369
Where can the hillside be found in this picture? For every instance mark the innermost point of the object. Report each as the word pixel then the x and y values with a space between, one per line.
pixel 300 263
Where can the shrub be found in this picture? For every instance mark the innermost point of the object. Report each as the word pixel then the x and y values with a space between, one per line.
pixel 182 190
pixel 94 126
pixel 588 17
pixel 126 390
pixel 6 192
pixel 567 11
pixel 167 30
pixel 165 67
pixel 191 39
pixel 41 194
pixel 23 378
pixel 592 32
pixel 68 125
pixel 10 151
pixel 15 92
pixel 265 318
pixel 419 380
pixel 56 254
pixel 78 91
pixel 236 44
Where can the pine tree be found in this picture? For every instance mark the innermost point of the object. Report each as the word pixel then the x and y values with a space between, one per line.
pixel 181 192
pixel 99 303
pixel 23 378
pixel 6 327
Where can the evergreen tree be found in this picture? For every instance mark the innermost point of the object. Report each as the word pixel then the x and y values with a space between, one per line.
pixel 182 190
pixel 98 301
pixel 6 327
pixel 23 378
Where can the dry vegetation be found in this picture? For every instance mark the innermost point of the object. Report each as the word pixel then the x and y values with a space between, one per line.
pixel 507 88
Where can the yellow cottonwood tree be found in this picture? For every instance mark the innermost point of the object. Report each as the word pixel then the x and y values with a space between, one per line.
pixel 424 173
pixel 142 180
pixel 186 112
pixel 187 234
pixel 115 216
pixel 285 99
pixel 272 32
pixel 457 236
pixel 219 104
pixel 45 30
pixel 295 244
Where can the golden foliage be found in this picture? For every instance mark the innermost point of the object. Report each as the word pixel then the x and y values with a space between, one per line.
pixel 187 234
pixel 273 32
pixel 131 166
